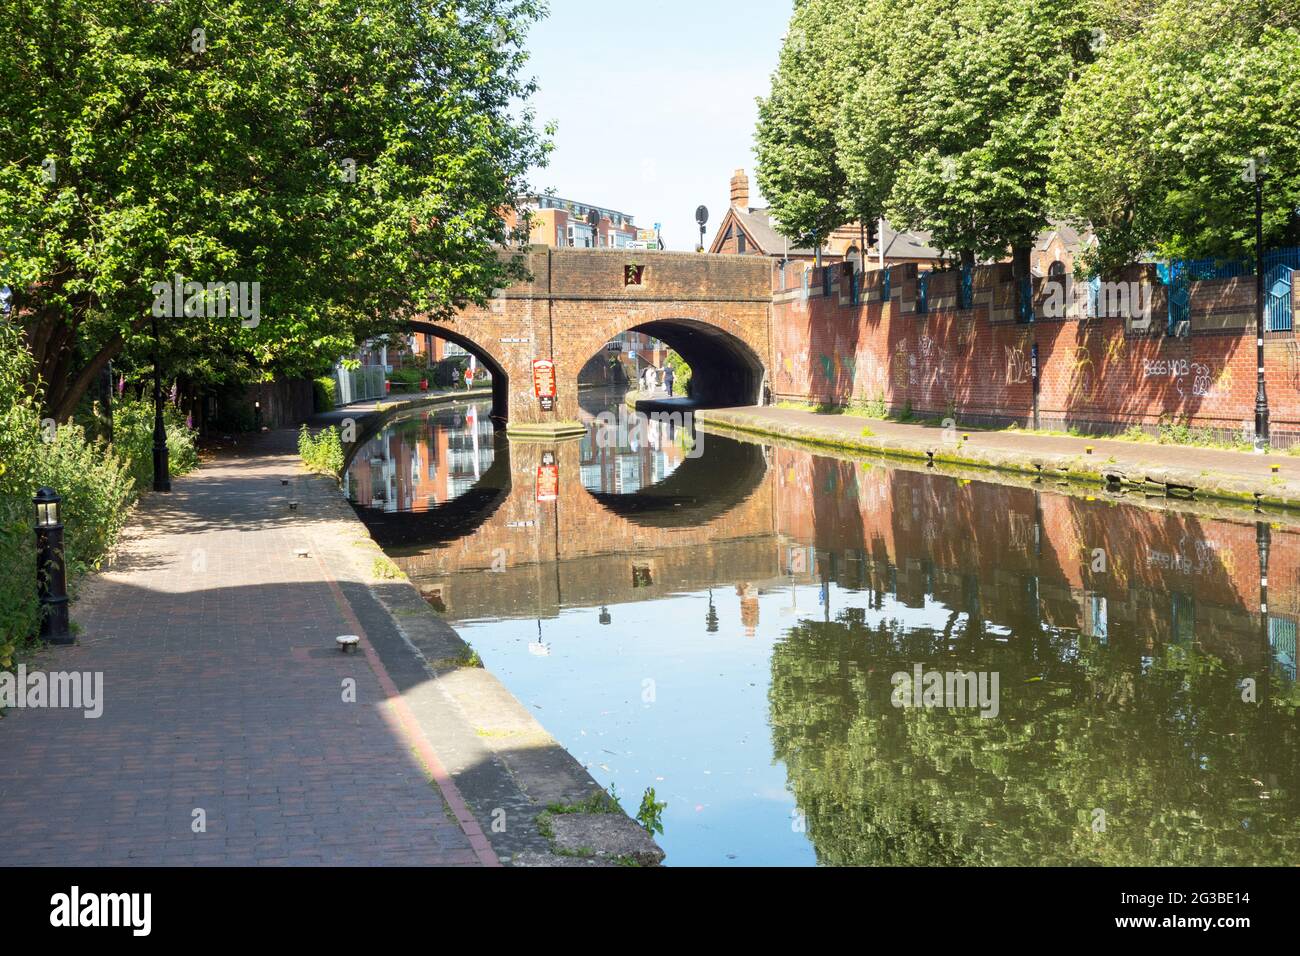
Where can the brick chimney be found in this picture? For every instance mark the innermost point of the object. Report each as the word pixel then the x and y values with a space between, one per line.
pixel 740 190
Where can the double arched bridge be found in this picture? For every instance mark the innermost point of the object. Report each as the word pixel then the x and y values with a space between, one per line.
pixel 715 311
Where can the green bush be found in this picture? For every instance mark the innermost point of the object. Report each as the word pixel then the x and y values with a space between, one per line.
pixel 326 391
pixel 408 376
pixel 681 374
pixel 324 453
pixel 133 439
pixel 98 484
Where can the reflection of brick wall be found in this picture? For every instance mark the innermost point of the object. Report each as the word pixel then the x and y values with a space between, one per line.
pixel 1093 373
pixel 876 519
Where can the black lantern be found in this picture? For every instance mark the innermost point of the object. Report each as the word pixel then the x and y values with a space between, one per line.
pixel 51 575
pixel 604 615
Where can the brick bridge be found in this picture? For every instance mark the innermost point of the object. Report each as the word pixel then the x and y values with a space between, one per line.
pixel 715 311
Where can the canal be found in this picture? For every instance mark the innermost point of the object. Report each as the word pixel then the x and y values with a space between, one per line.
pixel 815 660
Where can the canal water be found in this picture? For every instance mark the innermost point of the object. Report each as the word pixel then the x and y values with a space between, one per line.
pixel 815 660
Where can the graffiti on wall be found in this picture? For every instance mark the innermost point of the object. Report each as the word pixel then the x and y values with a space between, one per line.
pixel 1018 371
pixel 1189 379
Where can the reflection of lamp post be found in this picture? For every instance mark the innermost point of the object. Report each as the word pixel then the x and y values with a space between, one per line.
pixel 1263 539
pixel 604 615
pixel 51 574
pixel 711 616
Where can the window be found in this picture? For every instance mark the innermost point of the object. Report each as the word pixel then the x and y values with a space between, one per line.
pixel 740 243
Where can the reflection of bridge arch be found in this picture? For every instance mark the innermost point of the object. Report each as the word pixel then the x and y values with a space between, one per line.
pixel 446 522
pixel 500 379
pixel 699 491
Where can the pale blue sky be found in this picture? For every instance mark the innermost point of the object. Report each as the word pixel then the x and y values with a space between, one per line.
pixel 655 103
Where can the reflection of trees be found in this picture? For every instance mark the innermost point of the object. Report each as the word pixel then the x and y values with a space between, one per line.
pixel 1185 771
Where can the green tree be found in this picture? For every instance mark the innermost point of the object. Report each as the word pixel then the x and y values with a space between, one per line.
pixel 354 157
pixel 984 79
pixel 1155 133
pixel 798 165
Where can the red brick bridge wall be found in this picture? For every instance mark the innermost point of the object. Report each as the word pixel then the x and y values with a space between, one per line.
pixel 714 310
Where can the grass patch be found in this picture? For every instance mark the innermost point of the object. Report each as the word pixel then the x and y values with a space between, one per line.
pixel 384 569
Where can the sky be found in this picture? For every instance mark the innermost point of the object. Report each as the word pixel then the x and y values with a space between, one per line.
pixel 654 103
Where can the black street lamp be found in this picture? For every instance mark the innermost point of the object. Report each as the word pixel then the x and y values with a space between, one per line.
pixel 1261 393
pixel 702 218
pixel 51 574
pixel 161 473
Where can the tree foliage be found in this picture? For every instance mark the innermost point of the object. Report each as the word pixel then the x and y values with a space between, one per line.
pixel 1155 133
pixel 142 140
pixel 979 120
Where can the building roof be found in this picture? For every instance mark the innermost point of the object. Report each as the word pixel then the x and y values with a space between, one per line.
pixel 758 224
pixel 907 245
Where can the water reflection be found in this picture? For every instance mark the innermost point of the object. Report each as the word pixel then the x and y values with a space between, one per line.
pixel 730 640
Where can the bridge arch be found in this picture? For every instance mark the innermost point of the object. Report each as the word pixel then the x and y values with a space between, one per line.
pixel 725 370
pixel 715 311
pixel 500 377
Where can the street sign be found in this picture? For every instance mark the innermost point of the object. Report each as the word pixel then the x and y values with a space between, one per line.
pixel 544 383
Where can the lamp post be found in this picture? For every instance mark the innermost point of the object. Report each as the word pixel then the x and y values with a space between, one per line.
pixel 1256 170
pixel 51 575
pixel 702 219
pixel 161 477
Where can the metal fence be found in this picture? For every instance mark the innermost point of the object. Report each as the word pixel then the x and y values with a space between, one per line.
pixel 358 385
pixel 1279 266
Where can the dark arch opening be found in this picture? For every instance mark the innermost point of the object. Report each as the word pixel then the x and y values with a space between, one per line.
pixel 500 381
pixel 724 370
pixel 701 490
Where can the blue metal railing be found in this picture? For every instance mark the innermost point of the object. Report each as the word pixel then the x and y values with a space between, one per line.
pixel 966 288
pixel 1279 265
pixel 884 286
pixel 1277 301
pixel 923 292
pixel 1025 301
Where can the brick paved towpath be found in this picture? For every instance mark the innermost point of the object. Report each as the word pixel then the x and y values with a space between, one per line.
pixel 223 693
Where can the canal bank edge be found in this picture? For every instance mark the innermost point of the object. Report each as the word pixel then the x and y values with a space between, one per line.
pixel 514 776
pixel 1087 471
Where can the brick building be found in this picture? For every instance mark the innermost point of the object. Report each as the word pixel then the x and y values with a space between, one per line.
pixel 747 230
pixel 564 223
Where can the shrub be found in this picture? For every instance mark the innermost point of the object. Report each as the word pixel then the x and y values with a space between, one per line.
pixel 326 392
pixel 324 453
pixel 133 439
